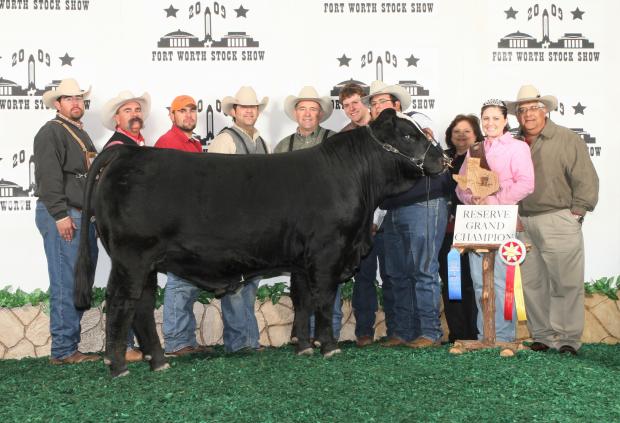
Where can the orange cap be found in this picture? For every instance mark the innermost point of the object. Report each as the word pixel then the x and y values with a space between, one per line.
pixel 181 101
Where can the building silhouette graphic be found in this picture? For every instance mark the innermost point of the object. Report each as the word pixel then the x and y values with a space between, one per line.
pixel 183 39
pixel 10 88
pixel 11 189
pixel 522 40
pixel 179 39
pixel 335 92
pixel 414 88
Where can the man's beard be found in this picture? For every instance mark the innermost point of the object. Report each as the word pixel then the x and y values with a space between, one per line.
pixel 187 128
pixel 76 115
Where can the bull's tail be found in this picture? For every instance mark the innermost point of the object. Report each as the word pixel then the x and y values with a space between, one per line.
pixel 85 268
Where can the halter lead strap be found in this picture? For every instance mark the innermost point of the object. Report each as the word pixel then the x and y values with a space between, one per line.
pixel 419 163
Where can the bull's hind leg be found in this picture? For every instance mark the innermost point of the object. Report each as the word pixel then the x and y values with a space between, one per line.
pixel 300 294
pixel 119 315
pixel 144 326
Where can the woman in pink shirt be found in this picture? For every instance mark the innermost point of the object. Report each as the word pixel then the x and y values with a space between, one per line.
pixel 511 160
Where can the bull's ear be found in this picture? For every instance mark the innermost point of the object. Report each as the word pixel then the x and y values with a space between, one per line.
pixel 385 120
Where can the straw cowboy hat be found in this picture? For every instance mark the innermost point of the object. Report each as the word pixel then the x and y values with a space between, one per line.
pixel 529 93
pixel 67 87
pixel 111 107
pixel 308 93
pixel 246 96
pixel 380 87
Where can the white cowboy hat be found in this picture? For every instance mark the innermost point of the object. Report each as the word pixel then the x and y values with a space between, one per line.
pixel 308 93
pixel 530 93
pixel 111 107
pixel 246 96
pixel 67 87
pixel 380 87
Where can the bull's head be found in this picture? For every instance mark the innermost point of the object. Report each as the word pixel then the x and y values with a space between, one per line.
pixel 403 137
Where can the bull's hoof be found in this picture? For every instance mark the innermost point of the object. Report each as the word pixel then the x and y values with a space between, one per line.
pixel 163 367
pixel 120 373
pixel 332 353
pixel 107 361
pixel 307 351
pixel 148 357
pixel 158 363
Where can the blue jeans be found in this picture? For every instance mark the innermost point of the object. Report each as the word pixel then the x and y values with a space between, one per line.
pixel 336 316
pixel 505 330
pixel 61 258
pixel 413 237
pixel 240 326
pixel 364 300
pixel 179 327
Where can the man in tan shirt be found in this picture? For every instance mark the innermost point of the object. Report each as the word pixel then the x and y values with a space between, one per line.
pixel 242 137
pixel 240 325
pixel 566 187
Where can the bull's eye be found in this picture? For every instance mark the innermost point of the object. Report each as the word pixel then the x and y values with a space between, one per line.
pixel 407 137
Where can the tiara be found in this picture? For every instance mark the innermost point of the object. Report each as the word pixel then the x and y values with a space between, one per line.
pixel 494 102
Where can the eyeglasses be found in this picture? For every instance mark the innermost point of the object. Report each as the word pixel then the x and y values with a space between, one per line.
pixel 524 110
pixel 379 102
pixel 73 99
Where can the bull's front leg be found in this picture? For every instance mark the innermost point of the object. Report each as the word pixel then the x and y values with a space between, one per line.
pixel 144 326
pixel 302 304
pixel 324 298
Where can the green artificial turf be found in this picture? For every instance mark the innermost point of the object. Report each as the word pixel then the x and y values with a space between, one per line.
pixel 374 384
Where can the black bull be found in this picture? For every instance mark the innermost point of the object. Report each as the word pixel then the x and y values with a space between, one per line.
pixel 217 220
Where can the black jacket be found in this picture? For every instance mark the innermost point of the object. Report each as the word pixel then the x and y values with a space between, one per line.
pixel 60 167
pixel 426 188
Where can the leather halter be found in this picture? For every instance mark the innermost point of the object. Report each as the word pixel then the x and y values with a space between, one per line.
pixel 417 162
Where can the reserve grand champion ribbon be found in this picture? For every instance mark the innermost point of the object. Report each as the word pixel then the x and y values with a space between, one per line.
pixel 454 275
pixel 512 253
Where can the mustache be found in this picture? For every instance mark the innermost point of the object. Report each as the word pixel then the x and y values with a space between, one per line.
pixel 135 121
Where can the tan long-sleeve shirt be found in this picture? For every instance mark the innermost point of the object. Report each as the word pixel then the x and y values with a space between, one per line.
pixel 564 173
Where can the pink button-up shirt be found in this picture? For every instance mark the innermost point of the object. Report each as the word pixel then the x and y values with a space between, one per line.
pixel 512 161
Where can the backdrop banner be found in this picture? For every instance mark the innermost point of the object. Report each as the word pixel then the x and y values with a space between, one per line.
pixel 450 55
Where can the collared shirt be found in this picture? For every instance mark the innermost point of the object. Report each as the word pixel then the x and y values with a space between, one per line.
pixel 510 159
pixel 224 143
pixel 76 123
pixel 176 139
pixel 138 140
pixel 565 175
pixel 300 141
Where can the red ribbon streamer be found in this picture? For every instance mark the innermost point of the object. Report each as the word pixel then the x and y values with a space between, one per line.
pixel 510 292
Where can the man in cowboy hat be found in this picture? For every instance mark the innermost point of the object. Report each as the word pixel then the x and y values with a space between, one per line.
pixel 414 227
pixel 62 154
pixel 125 115
pixel 364 299
pixel 308 109
pixel 566 187
pixel 179 326
pixel 242 137
pixel 240 325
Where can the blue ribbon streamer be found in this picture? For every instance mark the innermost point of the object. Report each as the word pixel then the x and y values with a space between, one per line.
pixel 454 275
